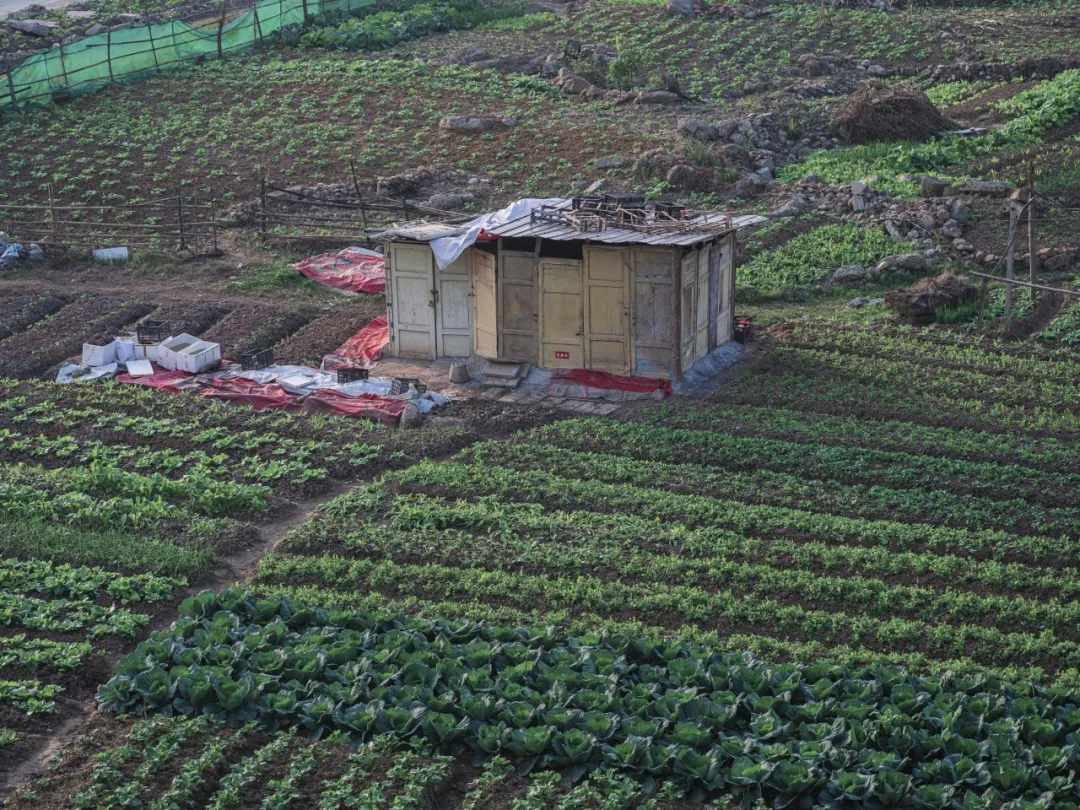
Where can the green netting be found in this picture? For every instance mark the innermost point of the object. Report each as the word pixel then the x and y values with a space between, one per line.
pixel 131 53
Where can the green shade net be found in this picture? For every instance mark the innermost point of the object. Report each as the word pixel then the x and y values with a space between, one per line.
pixel 132 53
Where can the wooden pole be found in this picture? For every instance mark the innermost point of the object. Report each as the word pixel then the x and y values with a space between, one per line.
pixel 52 212
pixel 982 300
pixel 108 55
pixel 262 206
pixel 150 33
pixel 1025 284
pixel 1010 263
pixel 213 218
pixel 10 85
pixel 359 196
pixel 180 216
pixel 305 9
pixel 258 25
pixel 221 27
pixel 1032 259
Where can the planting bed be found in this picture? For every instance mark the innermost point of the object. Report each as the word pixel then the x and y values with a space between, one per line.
pixel 326 333
pixel 252 327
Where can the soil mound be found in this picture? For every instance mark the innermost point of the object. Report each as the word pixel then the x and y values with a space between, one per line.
pixel 881 112
pixel 926 295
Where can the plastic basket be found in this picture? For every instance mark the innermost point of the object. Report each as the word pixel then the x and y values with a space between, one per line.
pixel 400 385
pixel 348 375
pixel 152 331
pixel 253 361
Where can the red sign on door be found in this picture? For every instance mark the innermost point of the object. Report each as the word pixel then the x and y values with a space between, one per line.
pixel 562 355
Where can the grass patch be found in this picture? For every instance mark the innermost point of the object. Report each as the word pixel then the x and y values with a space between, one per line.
pixel 111 549
pixel 810 257
pixel 526 22
pixel 271 277
pixel 952 93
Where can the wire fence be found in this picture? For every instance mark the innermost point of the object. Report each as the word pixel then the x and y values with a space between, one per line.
pixel 128 54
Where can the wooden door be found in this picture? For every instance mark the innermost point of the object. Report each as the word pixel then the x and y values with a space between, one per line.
pixel 703 308
pixel 517 306
pixel 562 325
pixel 725 320
pixel 652 310
pixel 453 311
pixel 607 309
pixel 485 320
pixel 688 311
pixel 413 301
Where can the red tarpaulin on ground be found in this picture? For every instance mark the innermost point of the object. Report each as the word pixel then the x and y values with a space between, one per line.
pixel 363 349
pixel 162 379
pixel 353 269
pixel 366 406
pixel 259 397
pixel 584 384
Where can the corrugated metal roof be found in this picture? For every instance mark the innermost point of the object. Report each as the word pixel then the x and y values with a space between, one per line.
pixel 526 227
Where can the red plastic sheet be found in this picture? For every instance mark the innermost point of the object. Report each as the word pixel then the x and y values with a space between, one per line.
pixel 255 395
pixel 363 349
pixel 350 269
pixel 585 384
pixel 162 379
pixel 364 406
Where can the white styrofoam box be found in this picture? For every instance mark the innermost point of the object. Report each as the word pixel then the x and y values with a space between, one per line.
pixel 99 355
pixel 147 351
pixel 167 350
pixel 140 368
pixel 199 356
pixel 125 349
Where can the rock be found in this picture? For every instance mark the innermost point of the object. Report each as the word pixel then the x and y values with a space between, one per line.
pixel 932 187
pixel 812 180
pixel 696 128
pixel 127 19
pixel 449 202
pixel 963 246
pixel 610 162
pixel 865 63
pixel 474 181
pixel 902 262
pixel 893 230
pixel 683 7
pixel 680 175
pixel 858 203
pixel 475 123
pixel 793 207
pixel 656 97
pixel 851 274
pixel 599 185
pixel 765 173
pixel 877 70
pixel 816 67
pixel 990 188
pixel 990 258
pixel 952 229
pixel 858 188
pixel 569 83
pixel 959 211
pixel 749 186
pixel 1058 262
pixel 926 222
pixel 411 417
pixel 726 128
pixel 36 28
pixel 860 302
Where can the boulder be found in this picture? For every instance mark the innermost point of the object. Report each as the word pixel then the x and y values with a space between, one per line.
pixel 569 83
pixel 681 175
pixel 816 67
pixel 683 7
pixel 449 202
pixel 696 128
pixel 894 230
pixel 656 97
pixel 793 207
pixel 1058 262
pixel 963 245
pixel 933 187
pixel 411 417
pixel 610 162
pixel 852 274
pixel 927 295
pixel 127 19
pixel 858 203
pixel 959 211
pixel 902 262
pixel 475 123
pixel 951 229
pixel 989 188
pixel 859 188
pixel 861 301
pixel 927 222
pixel 95 29
pixel 35 28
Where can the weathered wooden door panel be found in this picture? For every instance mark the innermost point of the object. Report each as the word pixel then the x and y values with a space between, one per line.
pixel 652 309
pixel 517 310
pixel 714 298
pixel 688 311
pixel 703 307
pixel 485 322
pixel 453 313
pixel 413 297
pixel 726 292
pixel 607 309
pixel 562 327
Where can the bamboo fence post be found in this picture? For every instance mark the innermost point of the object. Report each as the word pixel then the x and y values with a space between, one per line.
pixel 221 27
pixel 180 216
pixel 262 206
pixel 1010 263
pixel 52 213
pixel 213 218
pixel 305 9
pixel 63 67
pixel 150 33
pixel 982 300
pixel 108 55
pixel 10 85
pixel 258 25
pixel 359 195
pixel 1032 260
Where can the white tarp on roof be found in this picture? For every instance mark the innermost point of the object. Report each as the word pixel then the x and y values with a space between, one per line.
pixel 447 249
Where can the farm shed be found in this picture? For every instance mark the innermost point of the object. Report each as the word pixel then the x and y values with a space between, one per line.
pixel 597 283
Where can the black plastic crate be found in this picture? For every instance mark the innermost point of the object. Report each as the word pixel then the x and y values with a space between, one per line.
pixel 577 203
pixel 253 361
pixel 152 331
pixel 744 330
pixel 400 385
pixel 348 375
pixel 673 210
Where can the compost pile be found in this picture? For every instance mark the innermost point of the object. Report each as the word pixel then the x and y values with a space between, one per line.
pixel 881 112
pixel 925 296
